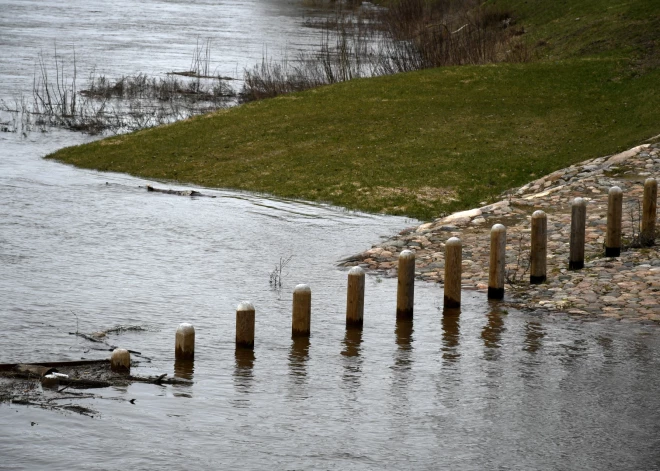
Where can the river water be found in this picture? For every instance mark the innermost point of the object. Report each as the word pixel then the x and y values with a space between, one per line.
pixel 488 388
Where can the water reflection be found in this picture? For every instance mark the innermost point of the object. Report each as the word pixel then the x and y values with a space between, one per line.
pixel 534 334
pixel 298 356
pixel 450 334
pixel 492 333
pixel 184 369
pixel 352 361
pixel 402 368
pixel 404 337
pixel 352 342
pixel 243 376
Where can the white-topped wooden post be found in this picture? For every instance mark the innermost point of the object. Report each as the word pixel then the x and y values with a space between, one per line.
pixel 453 272
pixel 614 216
pixel 184 345
pixel 578 227
pixel 497 262
pixel 120 361
pixel 355 297
pixel 302 311
pixel 649 212
pixel 245 325
pixel 539 248
pixel 405 294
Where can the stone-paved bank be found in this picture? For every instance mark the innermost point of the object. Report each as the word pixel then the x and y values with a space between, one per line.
pixel 625 288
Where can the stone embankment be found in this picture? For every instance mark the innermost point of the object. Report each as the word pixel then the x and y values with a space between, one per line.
pixel 625 287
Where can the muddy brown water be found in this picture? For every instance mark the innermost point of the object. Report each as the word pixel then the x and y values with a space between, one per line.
pixel 489 388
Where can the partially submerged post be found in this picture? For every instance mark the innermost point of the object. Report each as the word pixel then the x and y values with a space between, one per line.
pixel 302 311
pixel 578 226
pixel 184 346
pixel 497 262
pixel 120 361
pixel 405 294
pixel 453 269
pixel 614 215
pixel 649 210
pixel 245 325
pixel 355 297
pixel 539 248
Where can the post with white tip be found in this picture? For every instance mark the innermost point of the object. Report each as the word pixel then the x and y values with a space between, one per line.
pixel 245 325
pixel 497 262
pixel 614 216
pixel 302 311
pixel 539 248
pixel 120 361
pixel 649 212
pixel 578 226
pixel 355 298
pixel 405 293
pixel 453 272
pixel 184 345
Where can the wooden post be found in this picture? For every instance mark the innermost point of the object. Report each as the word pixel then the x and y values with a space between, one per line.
pixel 120 360
pixel 497 262
pixel 184 346
pixel 245 325
pixel 302 311
pixel 614 214
pixel 355 298
pixel 539 248
pixel 578 225
pixel 453 269
pixel 405 295
pixel 649 210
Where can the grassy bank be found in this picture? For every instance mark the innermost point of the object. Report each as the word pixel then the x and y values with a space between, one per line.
pixel 426 142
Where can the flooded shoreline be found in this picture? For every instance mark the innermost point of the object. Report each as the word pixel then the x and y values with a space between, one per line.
pixel 86 251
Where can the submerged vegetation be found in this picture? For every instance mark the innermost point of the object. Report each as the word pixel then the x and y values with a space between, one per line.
pixel 104 105
pixel 559 83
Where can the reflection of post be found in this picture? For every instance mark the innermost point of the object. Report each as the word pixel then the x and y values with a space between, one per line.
pixel 534 334
pixel 649 212
pixel 184 368
pixel 244 361
pixel 405 294
pixel 492 331
pixel 614 215
pixel 450 334
pixel 352 342
pixel 453 270
pixel 497 262
pixel 539 248
pixel 404 335
pixel 302 311
pixel 355 297
pixel 352 361
pixel 244 358
pixel 298 356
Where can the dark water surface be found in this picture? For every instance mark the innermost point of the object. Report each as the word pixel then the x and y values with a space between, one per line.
pixel 483 389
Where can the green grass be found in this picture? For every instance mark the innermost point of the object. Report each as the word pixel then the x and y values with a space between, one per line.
pixel 578 28
pixel 428 142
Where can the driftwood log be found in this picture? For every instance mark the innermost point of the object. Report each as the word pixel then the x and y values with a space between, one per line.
pixel 39 370
pixel 178 192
